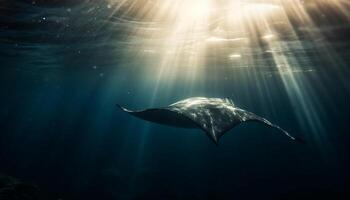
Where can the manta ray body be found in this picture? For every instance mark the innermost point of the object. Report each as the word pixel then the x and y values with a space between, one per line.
pixel 215 116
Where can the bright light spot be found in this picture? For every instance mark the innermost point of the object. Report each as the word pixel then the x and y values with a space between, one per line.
pixel 261 8
pixel 235 56
pixel 190 11
pixel 268 36
pixel 216 39
pixel 238 39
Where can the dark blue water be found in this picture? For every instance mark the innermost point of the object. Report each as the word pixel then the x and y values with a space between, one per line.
pixel 64 66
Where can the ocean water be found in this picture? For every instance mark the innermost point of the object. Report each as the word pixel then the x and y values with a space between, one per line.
pixel 64 65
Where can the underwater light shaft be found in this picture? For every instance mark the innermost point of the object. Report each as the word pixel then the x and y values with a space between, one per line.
pixel 193 34
pixel 195 41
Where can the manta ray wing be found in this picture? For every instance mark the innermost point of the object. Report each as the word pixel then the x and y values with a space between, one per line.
pixel 217 116
pixel 162 116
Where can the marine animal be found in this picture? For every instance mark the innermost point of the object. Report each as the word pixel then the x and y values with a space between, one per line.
pixel 215 116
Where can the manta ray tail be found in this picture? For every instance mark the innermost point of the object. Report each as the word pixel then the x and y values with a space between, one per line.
pixel 269 124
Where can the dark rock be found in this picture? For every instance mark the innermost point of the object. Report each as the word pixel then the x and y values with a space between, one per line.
pixel 13 189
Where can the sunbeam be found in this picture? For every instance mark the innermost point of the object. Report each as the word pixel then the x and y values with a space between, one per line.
pixel 196 39
pixel 67 66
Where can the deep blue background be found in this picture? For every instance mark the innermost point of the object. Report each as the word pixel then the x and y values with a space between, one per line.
pixel 60 129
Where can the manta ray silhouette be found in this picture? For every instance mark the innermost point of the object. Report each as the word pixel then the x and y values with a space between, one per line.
pixel 215 116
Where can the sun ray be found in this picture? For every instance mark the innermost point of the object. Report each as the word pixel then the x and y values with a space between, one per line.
pixel 191 41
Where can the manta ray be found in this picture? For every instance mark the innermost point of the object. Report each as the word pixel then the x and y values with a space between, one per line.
pixel 215 116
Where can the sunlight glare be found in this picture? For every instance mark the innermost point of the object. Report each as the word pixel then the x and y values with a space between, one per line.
pixel 261 8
